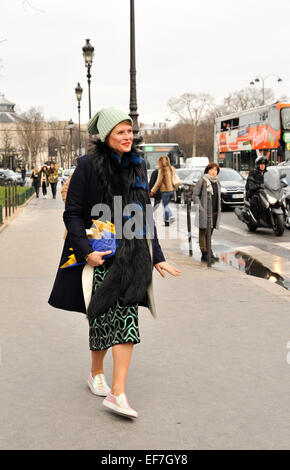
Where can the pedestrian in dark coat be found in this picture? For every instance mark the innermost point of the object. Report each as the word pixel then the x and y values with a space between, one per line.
pixel 109 290
pixel 157 195
pixel 44 182
pixel 53 178
pixel 35 176
pixel 23 173
pixel 209 183
pixel 254 183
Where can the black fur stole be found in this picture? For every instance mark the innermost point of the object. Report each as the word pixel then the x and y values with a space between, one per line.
pixel 131 272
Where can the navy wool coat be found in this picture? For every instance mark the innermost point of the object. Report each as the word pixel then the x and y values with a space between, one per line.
pixel 84 192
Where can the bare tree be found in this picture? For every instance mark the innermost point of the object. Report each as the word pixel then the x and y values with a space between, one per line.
pixel 191 108
pixel 6 146
pixel 31 133
pixel 27 3
pixel 247 98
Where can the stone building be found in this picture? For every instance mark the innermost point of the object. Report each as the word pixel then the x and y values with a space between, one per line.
pixel 34 142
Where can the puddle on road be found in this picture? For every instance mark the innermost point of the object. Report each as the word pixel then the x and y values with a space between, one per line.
pixel 243 262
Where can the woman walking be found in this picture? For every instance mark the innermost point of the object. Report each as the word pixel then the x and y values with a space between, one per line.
pixel 208 184
pixel 53 178
pixel 111 286
pixel 44 183
pixel 35 176
pixel 165 183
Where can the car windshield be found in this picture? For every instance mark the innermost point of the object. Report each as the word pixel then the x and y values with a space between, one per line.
pixel 9 172
pixel 272 179
pixel 227 174
pixel 287 177
pixel 193 176
pixel 282 171
pixel 182 173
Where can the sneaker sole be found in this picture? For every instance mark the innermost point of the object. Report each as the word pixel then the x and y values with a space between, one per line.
pixel 95 392
pixel 117 410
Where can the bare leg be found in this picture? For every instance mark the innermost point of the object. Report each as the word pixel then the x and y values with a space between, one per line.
pixel 98 362
pixel 122 354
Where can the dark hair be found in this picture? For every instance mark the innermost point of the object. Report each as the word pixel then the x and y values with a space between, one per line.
pixel 210 166
pixel 113 181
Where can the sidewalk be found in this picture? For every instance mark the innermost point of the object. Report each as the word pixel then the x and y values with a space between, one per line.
pixel 210 371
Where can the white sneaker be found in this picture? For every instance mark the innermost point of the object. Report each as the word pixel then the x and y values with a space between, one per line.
pixel 98 385
pixel 119 405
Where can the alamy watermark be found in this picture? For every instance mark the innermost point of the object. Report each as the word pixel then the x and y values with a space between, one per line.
pixel 129 220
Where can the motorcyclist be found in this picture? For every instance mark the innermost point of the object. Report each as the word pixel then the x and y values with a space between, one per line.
pixel 254 183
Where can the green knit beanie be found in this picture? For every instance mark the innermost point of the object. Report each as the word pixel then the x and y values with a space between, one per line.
pixel 105 120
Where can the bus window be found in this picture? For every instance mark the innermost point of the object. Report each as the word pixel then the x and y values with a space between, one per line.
pixel 285 114
pixel 274 119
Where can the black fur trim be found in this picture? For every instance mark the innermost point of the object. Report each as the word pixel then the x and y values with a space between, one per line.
pixel 131 272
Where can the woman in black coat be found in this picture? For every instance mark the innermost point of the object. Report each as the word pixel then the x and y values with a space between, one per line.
pixel 111 285
pixel 35 176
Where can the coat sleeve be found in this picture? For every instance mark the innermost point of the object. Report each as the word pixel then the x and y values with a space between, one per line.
pixel 153 179
pixel 158 183
pixel 251 184
pixel 158 255
pixel 197 192
pixel 73 215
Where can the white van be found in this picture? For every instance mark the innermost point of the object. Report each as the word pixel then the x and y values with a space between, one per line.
pixel 193 162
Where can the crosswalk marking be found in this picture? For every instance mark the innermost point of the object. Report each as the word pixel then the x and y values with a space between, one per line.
pixel 285 245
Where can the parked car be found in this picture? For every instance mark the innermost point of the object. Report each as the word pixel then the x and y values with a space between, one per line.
pixel 10 176
pixel 66 174
pixel 2 176
pixel 183 174
pixel 232 186
pixel 188 184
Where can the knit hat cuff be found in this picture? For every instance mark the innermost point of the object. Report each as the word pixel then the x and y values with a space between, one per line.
pixel 105 120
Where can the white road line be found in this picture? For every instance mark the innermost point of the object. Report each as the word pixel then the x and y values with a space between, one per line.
pixel 235 230
pixel 284 245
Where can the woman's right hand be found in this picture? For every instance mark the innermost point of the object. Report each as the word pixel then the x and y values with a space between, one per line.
pixel 96 257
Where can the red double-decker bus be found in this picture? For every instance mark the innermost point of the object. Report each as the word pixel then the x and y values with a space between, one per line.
pixel 240 137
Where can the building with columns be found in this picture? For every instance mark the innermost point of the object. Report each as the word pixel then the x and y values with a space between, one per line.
pixel 31 142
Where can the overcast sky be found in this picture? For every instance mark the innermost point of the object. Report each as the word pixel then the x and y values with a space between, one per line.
pixel 181 46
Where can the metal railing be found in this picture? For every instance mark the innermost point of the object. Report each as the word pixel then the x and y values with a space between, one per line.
pixel 12 199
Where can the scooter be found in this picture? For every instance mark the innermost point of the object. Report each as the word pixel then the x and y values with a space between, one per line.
pixel 287 210
pixel 273 203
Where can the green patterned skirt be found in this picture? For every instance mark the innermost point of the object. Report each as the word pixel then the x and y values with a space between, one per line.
pixel 118 325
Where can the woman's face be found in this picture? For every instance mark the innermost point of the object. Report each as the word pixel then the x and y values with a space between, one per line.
pixel 212 171
pixel 121 138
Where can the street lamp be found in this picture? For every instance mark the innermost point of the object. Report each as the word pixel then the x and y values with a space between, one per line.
pixel 88 53
pixel 167 120
pixel 56 157
pixel 79 92
pixel 133 91
pixel 263 79
pixel 70 126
